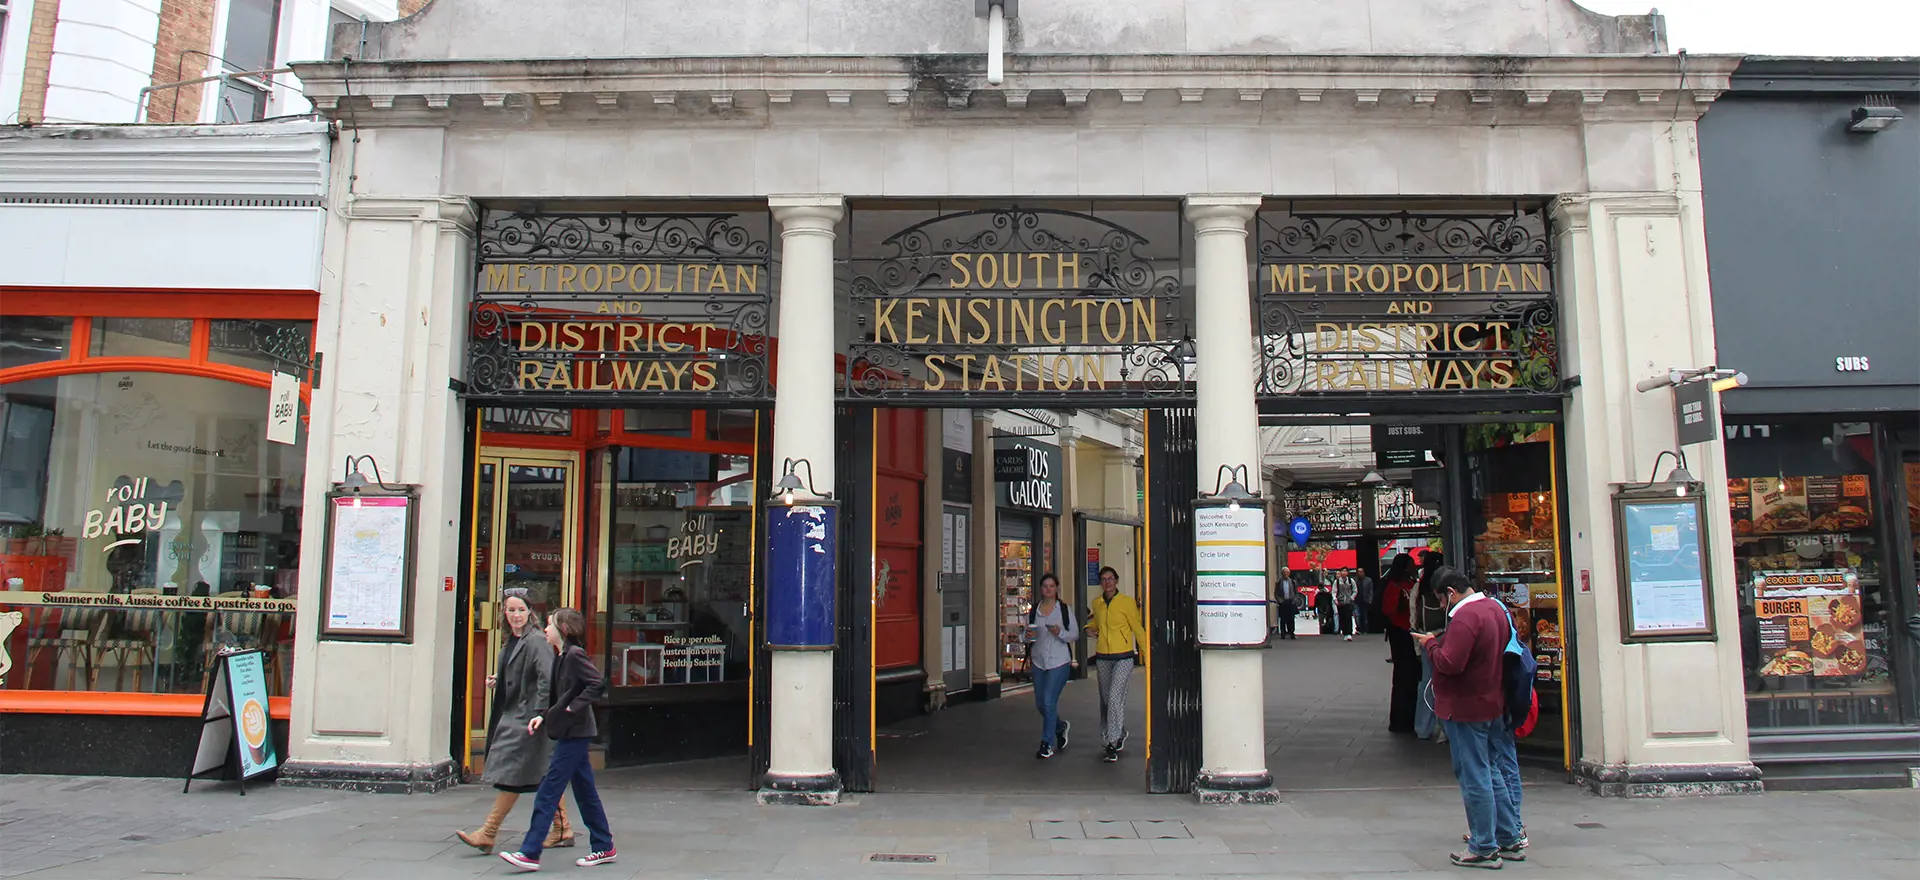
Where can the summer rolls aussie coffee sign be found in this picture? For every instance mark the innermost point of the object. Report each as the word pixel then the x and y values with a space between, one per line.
pixel 1446 302
pixel 1006 305
pixel 629 307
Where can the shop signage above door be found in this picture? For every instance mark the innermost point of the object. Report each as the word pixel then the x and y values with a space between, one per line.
pixel 1361 303
pixel 575 309
pixel 1404 446
pixel 1016 306
pixel 1035 485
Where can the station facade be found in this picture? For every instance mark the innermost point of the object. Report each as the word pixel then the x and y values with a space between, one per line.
pixel 614 297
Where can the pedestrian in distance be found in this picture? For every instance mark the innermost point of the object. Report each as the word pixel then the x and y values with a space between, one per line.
pixel 516 759
pixel 1397 588
pixel 1469 697
pixel 1286 601
pixel 1050 638
pixel 1366 609
pixel 1118 635
pixel 1346 593
pixel 1430 617
pixel 576 684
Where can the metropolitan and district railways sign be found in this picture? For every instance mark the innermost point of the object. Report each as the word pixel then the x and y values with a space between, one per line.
pixel 653 306
pixel 1402 302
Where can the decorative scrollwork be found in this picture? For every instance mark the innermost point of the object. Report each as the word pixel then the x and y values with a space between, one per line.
pixel 1451 301
pixel 626 307
pixel 1012 304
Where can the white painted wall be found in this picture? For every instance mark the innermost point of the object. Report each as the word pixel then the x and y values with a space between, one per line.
pixel 102 58
pixel 13 58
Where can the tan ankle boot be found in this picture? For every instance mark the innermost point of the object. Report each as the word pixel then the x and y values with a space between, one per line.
pixel 482 839
pixel 562 832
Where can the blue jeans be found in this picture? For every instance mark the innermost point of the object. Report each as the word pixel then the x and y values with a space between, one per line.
pixel 1493 817
pixel 1424 721
pixel 569 766
pixel 1047 685
pixel 1506 759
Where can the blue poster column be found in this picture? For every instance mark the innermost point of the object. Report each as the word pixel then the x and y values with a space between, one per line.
pixel 803 546
pixel 802 521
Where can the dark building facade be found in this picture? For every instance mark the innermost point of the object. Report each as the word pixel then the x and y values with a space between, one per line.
pixel 1811 171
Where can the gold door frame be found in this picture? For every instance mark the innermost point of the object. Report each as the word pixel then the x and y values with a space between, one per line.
pixel 480 607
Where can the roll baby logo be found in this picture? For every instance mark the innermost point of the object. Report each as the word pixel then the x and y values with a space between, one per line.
pixel 134 506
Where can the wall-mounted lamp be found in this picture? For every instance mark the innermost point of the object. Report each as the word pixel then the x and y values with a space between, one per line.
pixel 354 481
pixel 1876 113
pixel 1234 490
pixel 1185 352
pixel 790 483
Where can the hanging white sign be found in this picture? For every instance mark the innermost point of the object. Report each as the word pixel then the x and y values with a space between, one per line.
pixel 283 409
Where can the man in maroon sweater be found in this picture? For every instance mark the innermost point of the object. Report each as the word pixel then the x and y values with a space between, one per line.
pixel 1468 697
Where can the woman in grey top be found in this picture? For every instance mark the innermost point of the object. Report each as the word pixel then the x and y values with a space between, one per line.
pixel 1050 636
pixel 516 760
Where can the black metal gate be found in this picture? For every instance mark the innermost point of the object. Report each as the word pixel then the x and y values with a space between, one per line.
pixel 760 734
pixel 1173 672
pixel 853 655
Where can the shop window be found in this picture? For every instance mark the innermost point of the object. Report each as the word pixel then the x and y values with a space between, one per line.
pixel 665 422
pixel 33 340
pixel 148 524
pixel 1816 615
pixel 680 568
pixel 731 426
pixel 527 420
pixel 142 337
pixel 267 346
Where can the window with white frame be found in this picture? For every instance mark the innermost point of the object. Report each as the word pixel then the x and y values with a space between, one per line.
pixel 252 32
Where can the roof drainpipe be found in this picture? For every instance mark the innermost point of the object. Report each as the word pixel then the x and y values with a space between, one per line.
pixel 996 12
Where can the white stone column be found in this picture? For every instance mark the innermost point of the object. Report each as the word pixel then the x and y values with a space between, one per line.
pixel 1227 424
pixel 1656 718
pixel 984 560
pixel 801 721
pixel 372 716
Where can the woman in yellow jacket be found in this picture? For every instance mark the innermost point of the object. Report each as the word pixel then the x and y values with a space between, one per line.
pixel 1114 622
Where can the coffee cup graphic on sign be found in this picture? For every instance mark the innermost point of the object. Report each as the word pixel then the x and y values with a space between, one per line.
pixel 253 730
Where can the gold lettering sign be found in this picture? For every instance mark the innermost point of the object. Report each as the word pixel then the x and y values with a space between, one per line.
pixel 572 372
pixel 1405 278
pixel 620 278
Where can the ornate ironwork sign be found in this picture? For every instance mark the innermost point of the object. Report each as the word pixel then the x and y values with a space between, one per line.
pixel 628 307
pixel 1332 511
pixel 1014 306
pixel 1430 303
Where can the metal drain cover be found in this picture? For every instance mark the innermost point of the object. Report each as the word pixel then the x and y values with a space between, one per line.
pixel 905 858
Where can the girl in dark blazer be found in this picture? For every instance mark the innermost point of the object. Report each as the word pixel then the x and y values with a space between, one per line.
pixel 516 759
pixel 575 686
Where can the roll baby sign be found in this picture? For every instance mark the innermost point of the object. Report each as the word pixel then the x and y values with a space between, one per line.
pixel 1230 568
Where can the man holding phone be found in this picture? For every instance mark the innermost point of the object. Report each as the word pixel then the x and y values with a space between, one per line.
pixel 1468 697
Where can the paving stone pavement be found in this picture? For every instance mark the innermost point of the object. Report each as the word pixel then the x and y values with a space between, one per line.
pixel 963 788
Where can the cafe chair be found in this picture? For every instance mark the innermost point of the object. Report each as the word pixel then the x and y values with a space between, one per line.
pixel 69 634
pixel 136 645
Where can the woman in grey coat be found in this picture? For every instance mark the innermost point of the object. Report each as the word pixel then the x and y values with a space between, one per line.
pixel 516 760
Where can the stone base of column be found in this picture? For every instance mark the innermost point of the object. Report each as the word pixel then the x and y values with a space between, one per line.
pixel 821 790
pixel 1235 788
pixel 1668 780
pixel 371 778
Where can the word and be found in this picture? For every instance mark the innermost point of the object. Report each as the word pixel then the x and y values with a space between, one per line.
pixel 1401 278
pixel 620 277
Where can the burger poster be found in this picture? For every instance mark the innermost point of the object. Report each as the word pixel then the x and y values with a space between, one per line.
pixel 1810 623
pixel 1798 505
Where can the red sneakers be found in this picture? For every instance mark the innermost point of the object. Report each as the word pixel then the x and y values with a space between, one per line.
pixel 520 861
pixel 596 858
